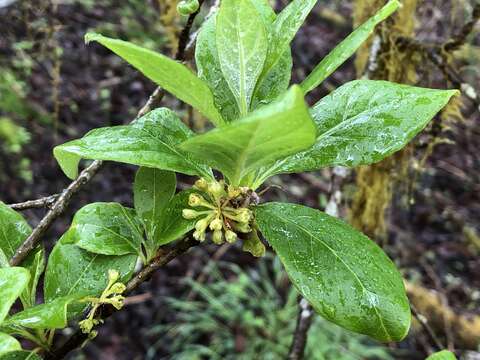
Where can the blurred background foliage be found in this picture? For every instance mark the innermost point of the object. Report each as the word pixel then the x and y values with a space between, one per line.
pixel 422 205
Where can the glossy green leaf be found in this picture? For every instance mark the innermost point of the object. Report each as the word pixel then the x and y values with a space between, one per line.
pixel 171 75
pixel 208 65
pixel 13 231
pixel 363 122
pixel 270 85
pixel 346 277
pixel 174 225
pixel 442 355
pixel 241 40
pixel 347 47
pixel 270 133
pixel 284 29
pixel 12 282
pixel 51 315
pixel 153 189
pixel 20 355
pixel 106 228
pixel 72 271
pixel 35 263
pixel 8 343
pixel 150 141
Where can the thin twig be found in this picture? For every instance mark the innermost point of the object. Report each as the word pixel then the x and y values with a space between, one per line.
pixel 304 321
pixel 460 39
pixel 45 202
pixel 426 326
pixel 164 257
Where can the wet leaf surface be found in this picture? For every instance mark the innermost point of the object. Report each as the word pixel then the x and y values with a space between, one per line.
pixel 346 277
pixel 20 355
pixel 171 75
pixel 272 132
pixel 153 189
pixel 14 229
pixel 106 228
pixel 8 344
pixel 72 271
pixel 363 122
pixel 12 282
pixel 150 141
pixel 241 40
pixel 51 315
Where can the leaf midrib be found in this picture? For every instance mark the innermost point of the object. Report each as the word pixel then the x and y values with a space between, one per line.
pixel 364 289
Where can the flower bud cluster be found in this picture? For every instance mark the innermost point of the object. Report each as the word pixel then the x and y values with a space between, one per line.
pixel 216 208
pixel 111 295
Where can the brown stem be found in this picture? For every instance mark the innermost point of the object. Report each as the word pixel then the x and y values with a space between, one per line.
pixel 304 321
pixel 46 201
pixel 163 257
pixel 460 39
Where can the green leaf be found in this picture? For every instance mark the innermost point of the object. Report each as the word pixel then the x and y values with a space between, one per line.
pixel 153 189
pixel 72 271
pixel 347 47
pixel 20 355
pixel 442 355
pixel 171 75
pixel 208 65
pixel 150 141
pixel 242 48
pixel 174 225
pixel 270 85
pixel 12 282
pixel 35 263
pixel 346 277
pixel 363 122
pixel 8 344
pixel 272 132
pixel 107 229
pixel 51 315
pixel 284 29
pixel 13 231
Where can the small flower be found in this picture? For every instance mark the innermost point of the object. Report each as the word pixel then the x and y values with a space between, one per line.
pixel 195 200
pixel 216 224
pixel 201 184
pixel 230 236
pixel 217 237
pixel 117 288
pixel 217 189
pixel 190 214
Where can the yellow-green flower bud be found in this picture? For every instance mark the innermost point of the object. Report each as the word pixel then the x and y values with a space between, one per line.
pixel 113 275
pixel 244 215
pixel 195 200
pixel 117 288
pixel 230 236
pixel 86 325
pixel 217 237
pixel 216 224
pixel 187 7
pixel 233 192
pixel 242 227
pixel 201 225
pixel 201 184
pixel 216 188
pixel 198 235
pixel 117 301
pixel 190 214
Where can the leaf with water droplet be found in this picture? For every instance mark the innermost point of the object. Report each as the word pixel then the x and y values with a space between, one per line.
pixel 12 282
pixel 351 283
pixel 363 122
pixel 150 141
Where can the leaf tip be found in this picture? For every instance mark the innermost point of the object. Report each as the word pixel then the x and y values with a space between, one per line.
pixel 92 36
